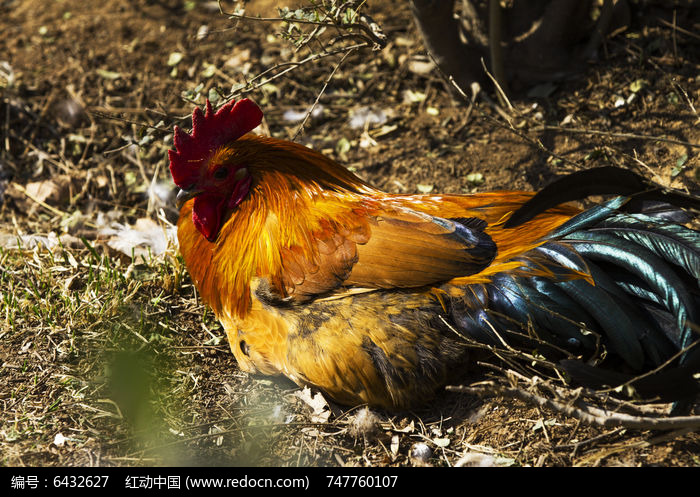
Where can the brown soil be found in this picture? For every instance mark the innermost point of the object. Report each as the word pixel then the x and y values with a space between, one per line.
pixel 81 84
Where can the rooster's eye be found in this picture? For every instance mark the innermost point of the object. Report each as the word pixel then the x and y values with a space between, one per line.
pixel 221 173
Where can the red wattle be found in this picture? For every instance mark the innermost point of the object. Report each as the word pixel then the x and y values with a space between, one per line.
pixel 206 214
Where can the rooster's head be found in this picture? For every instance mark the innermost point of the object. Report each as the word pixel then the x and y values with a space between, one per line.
pixel 201 165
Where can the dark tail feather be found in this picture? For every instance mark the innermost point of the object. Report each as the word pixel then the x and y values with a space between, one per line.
pixel 600 181
pixel 644 307
pixel 674 243
pixel 636 259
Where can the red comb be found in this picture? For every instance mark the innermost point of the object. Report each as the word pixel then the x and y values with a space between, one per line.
pixel 209 131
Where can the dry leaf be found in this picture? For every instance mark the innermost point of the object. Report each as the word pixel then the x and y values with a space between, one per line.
pixel 54 191
pixel 145 238
pixel 321 410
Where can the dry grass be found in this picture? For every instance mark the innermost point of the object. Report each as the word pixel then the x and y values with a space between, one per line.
pixel 109 358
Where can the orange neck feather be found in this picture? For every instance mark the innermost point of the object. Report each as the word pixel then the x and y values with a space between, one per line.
pixel 288 180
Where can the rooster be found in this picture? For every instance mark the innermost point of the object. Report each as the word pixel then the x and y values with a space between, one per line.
pixel 375 298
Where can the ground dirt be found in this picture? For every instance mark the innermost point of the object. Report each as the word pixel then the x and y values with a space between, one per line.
pixel 108 360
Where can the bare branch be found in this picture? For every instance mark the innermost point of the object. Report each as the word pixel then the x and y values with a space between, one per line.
pixel 293 65
pixel 371 29
pixel 318 97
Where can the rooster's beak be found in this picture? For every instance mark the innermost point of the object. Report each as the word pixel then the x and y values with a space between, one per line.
pixel 184 195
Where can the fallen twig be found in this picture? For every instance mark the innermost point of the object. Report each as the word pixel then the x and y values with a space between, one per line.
pixel 615 135
pixel 586 413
